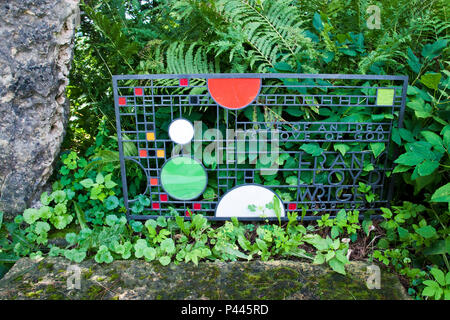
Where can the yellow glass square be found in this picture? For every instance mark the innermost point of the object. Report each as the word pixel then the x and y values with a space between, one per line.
pixel 150 136
pixel 385 97
pixel 160 153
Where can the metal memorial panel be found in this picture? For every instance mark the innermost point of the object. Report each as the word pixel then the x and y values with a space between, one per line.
pixel 270 143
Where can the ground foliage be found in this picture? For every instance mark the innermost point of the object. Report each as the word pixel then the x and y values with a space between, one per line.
pixel 192 36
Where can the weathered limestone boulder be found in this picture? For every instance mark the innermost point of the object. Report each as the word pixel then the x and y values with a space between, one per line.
pixel 35 54
pixel 137 279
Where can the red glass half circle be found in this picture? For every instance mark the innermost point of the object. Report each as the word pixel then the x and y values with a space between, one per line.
pixel 234 93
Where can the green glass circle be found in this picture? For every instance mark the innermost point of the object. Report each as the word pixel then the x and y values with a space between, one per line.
pixel 183 178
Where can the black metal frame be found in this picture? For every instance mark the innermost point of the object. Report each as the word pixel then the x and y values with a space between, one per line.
pixel 163 91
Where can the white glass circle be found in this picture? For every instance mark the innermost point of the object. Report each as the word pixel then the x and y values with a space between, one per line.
pixel 236 202
pixel 181 131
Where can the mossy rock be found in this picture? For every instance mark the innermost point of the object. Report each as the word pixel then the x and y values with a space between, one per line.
pixel 137 279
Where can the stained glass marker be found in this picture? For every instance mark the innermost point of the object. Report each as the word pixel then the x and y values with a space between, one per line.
pixel 183 178
pixel 234 93
pixel 181 131
pixel 322 187
pixel 249 201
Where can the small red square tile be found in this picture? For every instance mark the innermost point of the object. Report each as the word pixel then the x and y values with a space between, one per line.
pixel 153 181
pixel 155 205
pixel 292 206
pixel 143 153
pixel 122 101
pixel 184 82
pixel 163 197
pixel 197 206
pixel 187 213
pixel 138 91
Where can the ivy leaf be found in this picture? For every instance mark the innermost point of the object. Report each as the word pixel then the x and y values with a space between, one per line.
pixel 164 260
pixel 75 255
pixel 111 220
pixel 45 212
pixel 149 254
pixel 45 199
pixel 111 202
pixel 59 196
pixel 137 226
pixel 168 246
pixel 71 237
pixel 31 215
pixel 42 227
pixel 103 255
pixel 60 222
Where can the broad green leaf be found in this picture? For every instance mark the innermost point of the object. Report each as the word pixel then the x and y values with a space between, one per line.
pixel 312 148
pixel 438 275
pixel 431 80
pixel 87 183
pixel 410 159
pixel 80 216
pixel 413 61
pixel 438 247
pixel 377 148
pixel 427 232
pixel 434 139
pixel 337 266
pixel 401 168
pixel 446 134
pixel 99 179
pixel 431 51
pixel 406 135
pixel 442 194
pixel 342 148
pixel 164 260
pixel 317 22
pixel 427 167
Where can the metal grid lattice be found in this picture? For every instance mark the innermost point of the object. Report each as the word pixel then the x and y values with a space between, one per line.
pixel 326 110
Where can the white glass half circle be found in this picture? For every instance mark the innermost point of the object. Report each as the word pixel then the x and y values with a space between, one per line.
pixel 249 201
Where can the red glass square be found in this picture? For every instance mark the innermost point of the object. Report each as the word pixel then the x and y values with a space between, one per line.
pixel 143 153
pixel 184 82
pixel 155 205
pixel 153 181
pixel 138 91
pixel 187 213
pixel 163 197
pixel 122 101
pixel 197 206
pixel 292 206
